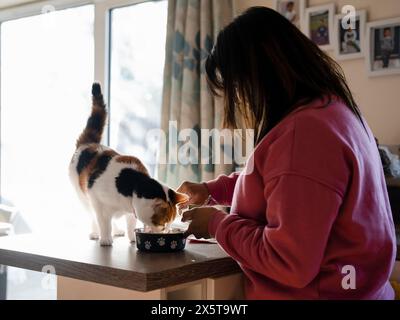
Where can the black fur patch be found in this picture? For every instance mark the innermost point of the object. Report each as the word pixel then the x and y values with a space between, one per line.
pixel 96 122
pixel 85 157
pixel 130 181
pixel 96 89
pixel 92 136
pixel 100 166
pixel 172 195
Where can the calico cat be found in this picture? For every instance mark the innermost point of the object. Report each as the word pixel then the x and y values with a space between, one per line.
pixel 112 185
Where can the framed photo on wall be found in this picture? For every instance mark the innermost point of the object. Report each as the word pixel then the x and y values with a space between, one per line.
pixel 350 43
pixel 319 25
pixel 383 47
pixel 293 10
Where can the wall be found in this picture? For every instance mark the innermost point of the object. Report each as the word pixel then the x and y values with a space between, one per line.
pixel 12 3
pixel 378 98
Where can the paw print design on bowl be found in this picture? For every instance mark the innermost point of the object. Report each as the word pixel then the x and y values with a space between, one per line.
pixel 147 245
pixel 173 244
pixel 161 242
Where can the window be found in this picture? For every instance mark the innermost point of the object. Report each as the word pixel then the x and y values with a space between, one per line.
pixel 137 61
pixel 47 65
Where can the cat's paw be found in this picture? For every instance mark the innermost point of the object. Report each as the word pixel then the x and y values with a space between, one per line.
pixel 132 240
pixel 118 232
pixel 106 242
pixel 94 236
pixel 132 236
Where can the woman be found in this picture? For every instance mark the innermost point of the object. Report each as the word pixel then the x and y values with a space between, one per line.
pixel 310 219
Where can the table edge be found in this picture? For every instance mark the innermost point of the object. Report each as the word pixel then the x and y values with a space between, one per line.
pixel 121 278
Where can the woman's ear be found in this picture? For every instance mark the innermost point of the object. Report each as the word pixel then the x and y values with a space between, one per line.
pixel 177 197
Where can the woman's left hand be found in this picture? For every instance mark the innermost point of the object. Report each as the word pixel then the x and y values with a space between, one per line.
pixel 199 218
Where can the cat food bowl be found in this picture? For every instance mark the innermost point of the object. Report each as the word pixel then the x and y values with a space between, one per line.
pixel 172 241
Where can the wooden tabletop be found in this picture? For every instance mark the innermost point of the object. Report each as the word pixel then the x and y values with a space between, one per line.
pixel 120 265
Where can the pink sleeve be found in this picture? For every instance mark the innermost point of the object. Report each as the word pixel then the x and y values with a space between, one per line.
pixel 221 189
pixel 290 247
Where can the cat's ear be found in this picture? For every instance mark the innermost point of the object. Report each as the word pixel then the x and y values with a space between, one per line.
pixel 177 197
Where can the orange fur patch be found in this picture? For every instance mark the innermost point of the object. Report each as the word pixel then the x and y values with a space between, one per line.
pixel 164 213
pixel 133 161
pixel 85 174
pixel 178 198
pixel 110 153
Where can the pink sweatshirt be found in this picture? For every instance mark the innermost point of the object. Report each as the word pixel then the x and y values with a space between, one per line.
pixel 311 200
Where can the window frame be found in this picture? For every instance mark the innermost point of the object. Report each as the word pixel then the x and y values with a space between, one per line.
pixel 102 36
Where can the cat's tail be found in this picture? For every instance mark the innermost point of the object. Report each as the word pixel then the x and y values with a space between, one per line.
pixel 97 120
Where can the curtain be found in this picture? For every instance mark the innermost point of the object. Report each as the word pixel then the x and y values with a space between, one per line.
pixel 193 26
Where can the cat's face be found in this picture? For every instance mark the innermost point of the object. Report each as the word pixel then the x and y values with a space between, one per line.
pixel 165 211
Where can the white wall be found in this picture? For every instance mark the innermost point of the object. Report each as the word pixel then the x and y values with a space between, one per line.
pixel 378 98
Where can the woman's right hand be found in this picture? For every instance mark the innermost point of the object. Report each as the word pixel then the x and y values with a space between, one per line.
pixel 197 192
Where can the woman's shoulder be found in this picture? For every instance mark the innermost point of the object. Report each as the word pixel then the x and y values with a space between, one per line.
pixel 327 118
pixel 314 141
pixel 332 121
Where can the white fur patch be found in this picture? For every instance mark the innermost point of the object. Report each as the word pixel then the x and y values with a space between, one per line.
pixel 106 203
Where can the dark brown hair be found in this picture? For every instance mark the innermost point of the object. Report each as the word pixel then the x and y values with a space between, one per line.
pixel 265 67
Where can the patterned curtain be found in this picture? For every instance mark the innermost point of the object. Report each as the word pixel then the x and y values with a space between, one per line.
pixel 193 26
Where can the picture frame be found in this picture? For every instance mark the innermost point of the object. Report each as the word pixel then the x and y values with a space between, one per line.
pixel 319 25
pixel 383 47
pixel 350 44
pixel 298 13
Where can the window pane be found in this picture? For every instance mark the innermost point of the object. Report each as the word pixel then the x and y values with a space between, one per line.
pixel 137 63
pixel 46 74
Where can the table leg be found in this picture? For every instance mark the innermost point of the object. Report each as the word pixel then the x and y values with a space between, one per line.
pixel 73 289
pixel 221 288
pixel 226 288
